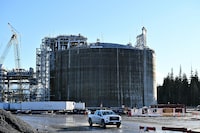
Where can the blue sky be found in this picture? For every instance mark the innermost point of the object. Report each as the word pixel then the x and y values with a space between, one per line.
pixel 172 27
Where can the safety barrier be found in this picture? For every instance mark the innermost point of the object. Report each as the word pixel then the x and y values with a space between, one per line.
pixel 175 129
pixel 147 129
pixel 190 131
pixel 179 129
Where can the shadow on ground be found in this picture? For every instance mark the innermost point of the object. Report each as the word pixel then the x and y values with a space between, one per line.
pixel 83 128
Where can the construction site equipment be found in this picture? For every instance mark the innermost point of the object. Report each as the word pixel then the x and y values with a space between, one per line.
pixel 13 41
pixel 13 83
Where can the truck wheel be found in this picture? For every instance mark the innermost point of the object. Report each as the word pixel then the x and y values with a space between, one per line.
pixel 118 125
pixel 90 122
pixel 103 124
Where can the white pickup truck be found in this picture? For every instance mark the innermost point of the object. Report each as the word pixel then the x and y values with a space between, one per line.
pixel 104 117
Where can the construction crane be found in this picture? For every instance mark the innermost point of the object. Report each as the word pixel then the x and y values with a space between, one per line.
pixel 16 75
pixel 2 58
pixel 13 41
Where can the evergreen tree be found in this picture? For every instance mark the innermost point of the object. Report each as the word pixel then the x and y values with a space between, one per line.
pixel 185 91
pixel 167 92
pixel 177 90
pixel 194 88
pixel 180 90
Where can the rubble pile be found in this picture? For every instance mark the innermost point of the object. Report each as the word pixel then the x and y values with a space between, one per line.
pixel 11 124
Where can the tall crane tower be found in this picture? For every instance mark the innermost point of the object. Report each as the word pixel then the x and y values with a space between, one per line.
pixel 17 75
pixel 18 83
pixel 13 41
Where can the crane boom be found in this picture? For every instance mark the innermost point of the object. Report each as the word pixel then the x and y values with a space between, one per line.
pixel 16 74
pixel 5 52
pixel 15 42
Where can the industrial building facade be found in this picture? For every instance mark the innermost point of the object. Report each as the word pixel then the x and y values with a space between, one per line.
pixel 102 74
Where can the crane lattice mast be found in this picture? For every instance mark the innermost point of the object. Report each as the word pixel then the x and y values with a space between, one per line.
pixel 15 43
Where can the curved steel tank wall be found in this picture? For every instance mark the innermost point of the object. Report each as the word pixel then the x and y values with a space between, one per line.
pixel 109 76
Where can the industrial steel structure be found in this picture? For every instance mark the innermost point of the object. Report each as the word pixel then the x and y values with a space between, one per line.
pixel 16 85
pixel 44 56
pixel 99 74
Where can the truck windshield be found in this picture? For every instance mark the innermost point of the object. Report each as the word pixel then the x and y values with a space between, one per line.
pixel 108 113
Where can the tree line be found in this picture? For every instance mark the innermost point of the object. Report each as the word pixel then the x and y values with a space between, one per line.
pixel 180 90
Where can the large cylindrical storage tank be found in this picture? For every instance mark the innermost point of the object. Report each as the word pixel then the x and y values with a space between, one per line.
pixel 106 74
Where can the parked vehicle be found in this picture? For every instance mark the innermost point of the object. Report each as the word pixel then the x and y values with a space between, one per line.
pixel 48 105
pixel 103 118
pixel 198 108
pixel 24 107
pixel 79 108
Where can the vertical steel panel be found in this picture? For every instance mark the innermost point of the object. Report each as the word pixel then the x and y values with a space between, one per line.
pixel 107 76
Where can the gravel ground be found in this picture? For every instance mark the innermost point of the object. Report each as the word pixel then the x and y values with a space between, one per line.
pixel 52 123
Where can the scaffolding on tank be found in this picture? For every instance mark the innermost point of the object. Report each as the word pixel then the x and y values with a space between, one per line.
pixel 45 53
